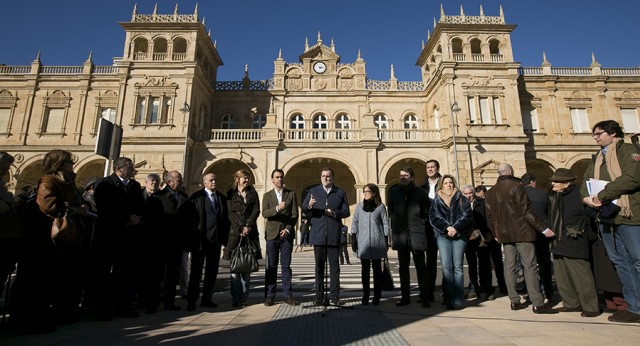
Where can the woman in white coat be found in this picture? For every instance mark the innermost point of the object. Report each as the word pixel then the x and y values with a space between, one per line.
pixel 370 228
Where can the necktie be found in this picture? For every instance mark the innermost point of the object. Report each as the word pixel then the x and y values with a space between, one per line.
pixel 214 201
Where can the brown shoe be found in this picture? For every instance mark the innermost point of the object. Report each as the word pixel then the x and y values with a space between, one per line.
pixel 624 317
pixel 268 302
pixel 291 301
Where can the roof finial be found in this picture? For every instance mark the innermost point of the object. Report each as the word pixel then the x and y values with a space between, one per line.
pixel 280 53
pixel 155 9
pixel 90 55
pixel 135 11
pixel 593 57
pixel 501 13
pixel 359 56
pixel 422 44
pixel 246 71
pixel 37 57
pixel 441 13
pixel 215 43
pixel 209 32
pixel 428 35
pixel 544 58
pixel 175 10
pixel 195 12
pixel 481 11
pixel 434 22
pixel 306 44
pixel 333 46
pixel 393 72
pixel 461 11
pixel 203 19
pixel 319 37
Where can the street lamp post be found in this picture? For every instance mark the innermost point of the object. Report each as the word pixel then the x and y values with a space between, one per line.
pixel 185 110
pixel 454 110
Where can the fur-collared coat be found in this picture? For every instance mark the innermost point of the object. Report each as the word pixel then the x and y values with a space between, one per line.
pixel 457 214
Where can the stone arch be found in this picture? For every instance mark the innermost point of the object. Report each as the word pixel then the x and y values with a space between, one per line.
pixel 328 157
pixel 413 159
pixel 456 45
pixel 225 167
pixel 92 166
pixel 475 45
pixel 180 44
pixel 579 167
pixel 542 169
pixel 29 172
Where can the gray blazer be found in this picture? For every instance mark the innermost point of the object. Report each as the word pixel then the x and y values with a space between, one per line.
pixel 370 230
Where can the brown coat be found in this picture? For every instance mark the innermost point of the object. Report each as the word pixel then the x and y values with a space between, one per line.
pixel 510 214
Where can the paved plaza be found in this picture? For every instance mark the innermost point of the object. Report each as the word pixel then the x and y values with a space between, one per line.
pixel 486 322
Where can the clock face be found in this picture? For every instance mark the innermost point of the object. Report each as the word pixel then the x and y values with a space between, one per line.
pixel 319 67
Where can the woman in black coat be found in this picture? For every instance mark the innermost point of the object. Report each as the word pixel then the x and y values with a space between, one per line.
pixel 244 209
pixel 571 247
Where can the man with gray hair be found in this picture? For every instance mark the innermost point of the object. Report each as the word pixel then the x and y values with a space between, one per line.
pixel 151 185
pixel 515 224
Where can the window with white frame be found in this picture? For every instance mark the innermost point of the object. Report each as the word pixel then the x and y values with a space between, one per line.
pixel 630 121
pixel 579 120
pixel 228 122
pixel 530 119
pixel 343 123
pixel 485 113
pixel 152 109
pixel 320 122
pixel 296 123
pixel 410 122
pixel 108 113
pixel 258 122
pixel 5 114
pixel 496 110
pixel 381 121
pixel 54 121
pixel 472 109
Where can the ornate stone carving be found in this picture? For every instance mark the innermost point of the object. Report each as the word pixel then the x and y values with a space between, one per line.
pixel 18 158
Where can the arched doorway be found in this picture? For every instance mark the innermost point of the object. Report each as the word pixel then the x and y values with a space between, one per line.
pixel 541 169
pixel 578 168
pixel 392 177
pixel 224 170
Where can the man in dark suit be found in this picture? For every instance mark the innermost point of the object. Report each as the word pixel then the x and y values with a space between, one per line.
pixel 280 210
pixel 325 206
pixel 170 221
pixel 540 202
pixel 151 184
pixel 210 209
pixel 432 168
pixel 113 247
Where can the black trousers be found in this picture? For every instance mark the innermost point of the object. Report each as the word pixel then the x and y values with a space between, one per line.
pixel 432 264
pixel 495 251
pixel 209 257
pixel 545 270
pixel 366 278
pixel 479 261
pixel 329 253
pixel 404 257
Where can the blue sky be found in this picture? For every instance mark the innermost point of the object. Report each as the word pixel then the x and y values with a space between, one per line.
pixel 387 32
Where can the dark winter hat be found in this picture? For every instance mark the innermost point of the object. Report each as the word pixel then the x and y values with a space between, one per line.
pixel 90 182
pixel 563 175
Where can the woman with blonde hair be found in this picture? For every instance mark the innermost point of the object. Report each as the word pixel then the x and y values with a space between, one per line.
pixel 244 209
pixel 450 216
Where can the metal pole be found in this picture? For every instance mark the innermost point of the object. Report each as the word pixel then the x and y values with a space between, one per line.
pixel 454 110
pixel 185 110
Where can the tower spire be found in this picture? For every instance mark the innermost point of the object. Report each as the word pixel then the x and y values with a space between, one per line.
pixel 319 38
pixel 481 11
pixel 306 44
pixel 135 11
pixel 461 11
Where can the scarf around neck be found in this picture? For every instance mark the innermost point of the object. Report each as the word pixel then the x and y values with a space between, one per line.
pixel 447 198
pixel 613 167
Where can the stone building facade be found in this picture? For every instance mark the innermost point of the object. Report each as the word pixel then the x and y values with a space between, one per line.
pixel 474 108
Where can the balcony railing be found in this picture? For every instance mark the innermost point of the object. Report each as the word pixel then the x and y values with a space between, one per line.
pixel 477 57
pixel 459 57
pixel 140 56
pixel 496 57
pixel 238 135
pixel 159 56
pixel 105 69
pixel 413 134
pixel 61 70
pixel 179 56
pixel 295 135
pixel 15 69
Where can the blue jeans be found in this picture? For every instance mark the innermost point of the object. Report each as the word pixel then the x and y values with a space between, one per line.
pixel 240 286
pixel 452 258
pixel 623 247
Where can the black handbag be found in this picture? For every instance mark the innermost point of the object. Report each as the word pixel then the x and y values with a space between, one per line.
pixel 387 279
pixel 243 259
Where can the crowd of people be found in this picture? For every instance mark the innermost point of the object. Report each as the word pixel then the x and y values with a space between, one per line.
pixel 118 242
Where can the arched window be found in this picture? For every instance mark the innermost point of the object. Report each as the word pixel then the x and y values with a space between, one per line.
pixel 179 49
pixel 476 50
pixel 456 46
pixel 228 122
pixel 140 48
pixel 159 49
pixel 410 123
pixel 380 121
pixel 296 123
pixel 494 50
pixel 259 120
pixel 320 122
pixel 342 122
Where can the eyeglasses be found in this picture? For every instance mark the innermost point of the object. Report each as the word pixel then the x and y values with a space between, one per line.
pixel 597 134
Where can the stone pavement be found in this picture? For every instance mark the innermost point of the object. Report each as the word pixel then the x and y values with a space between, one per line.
pixel 489 322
